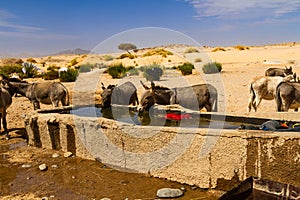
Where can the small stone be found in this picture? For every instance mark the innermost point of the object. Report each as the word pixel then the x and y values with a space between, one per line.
pixel 169 193
pixel 43 167
pixel 44 198
pixel 183 189
pixel 73 177
pixel 105 198
pixel 55 155
pixel 28 178
pixel 26 165
pixel 68 154
pixel 54 166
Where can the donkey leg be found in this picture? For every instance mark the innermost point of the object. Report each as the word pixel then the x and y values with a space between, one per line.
pixel 5 125
pixel 36 105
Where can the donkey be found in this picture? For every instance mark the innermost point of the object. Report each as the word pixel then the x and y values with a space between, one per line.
pixel 279 71
pixel 42 92
pixel 124 94
pixel 288 96
pixel 194 97
pixel 264 88
pixel 5 102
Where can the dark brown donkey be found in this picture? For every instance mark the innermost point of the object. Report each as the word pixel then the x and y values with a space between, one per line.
pixel 194 97
pixel 279 71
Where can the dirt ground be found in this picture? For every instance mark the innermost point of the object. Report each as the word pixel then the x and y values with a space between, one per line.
pixel 69 178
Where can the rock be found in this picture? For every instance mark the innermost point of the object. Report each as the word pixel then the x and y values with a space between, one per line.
pixel 26 165
pixel 43 167
pixel 68 154
pixel 105 198
pixel 55 155
pixel 54 166
pixel 44 198
pixel 169 193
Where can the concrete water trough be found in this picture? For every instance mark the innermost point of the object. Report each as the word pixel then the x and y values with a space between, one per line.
pixel 209 157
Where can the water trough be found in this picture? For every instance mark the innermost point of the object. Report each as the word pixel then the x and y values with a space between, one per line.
pixel 206 157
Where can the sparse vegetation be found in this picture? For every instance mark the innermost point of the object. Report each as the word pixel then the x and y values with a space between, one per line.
pixel 218 49
pixel 127 55
pixel 116 70
pixel 241 47
pixel 51 74
pixel 73 62
pixel 69 76
pixel 132 71
pixel 12 61
pixel 164 53
pixel 191 50
pixel 291 62
pixel 30 70
pixel 9 69
pixel 186 68
pixel 31 60
pixel 153 72
pixel 87 67
pixel 211 68
pixel 107 57
pixel 198 60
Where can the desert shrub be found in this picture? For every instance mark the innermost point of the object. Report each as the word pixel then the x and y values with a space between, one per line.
pixel 73 62
pixel 153 72
pixel 116 70
pixel 51 74
pixel 218 49
pixel 107 57
pixel 198 60
pixel 132 71
pixel 86 67
pixel 240 47
pixel 213 67
pixel 9 69
pixel 127 55
pixel 31 60
pixel 191 50
pixel 186 68
pixel 12 61
pixel 164 53
pixel 69 76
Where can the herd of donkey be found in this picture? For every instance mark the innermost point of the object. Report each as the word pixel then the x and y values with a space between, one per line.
pixel 280 84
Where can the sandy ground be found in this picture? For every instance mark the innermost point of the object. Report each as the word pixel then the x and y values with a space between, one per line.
pixel 80 179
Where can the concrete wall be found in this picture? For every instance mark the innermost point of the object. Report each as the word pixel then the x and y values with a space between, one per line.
pixel 206 158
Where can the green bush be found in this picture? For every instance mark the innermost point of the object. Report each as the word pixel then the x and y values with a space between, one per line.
pixel 152 72
pixel 51 74
pixel 69 76
pixel 86 67
pixel 186 68
pixel 191 50
pixel 9 69
pixel 30 70
pixel 107 57
pixel 117 70
pixel 213 67
pixel 132 71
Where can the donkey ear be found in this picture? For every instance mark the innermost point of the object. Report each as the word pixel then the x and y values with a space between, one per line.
pixel 152 85
pixel 146 87
pixel 103 87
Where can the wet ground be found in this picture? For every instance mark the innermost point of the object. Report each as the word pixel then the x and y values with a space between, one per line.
pixel 74 178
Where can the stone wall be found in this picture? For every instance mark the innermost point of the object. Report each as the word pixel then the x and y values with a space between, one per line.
pixel 206 158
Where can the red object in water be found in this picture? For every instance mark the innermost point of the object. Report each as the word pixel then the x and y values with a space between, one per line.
pixel 177 117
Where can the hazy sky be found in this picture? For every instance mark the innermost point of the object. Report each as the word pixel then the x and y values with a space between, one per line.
pixel 49 26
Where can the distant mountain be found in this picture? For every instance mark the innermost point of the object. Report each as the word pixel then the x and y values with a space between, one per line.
pixel 75 51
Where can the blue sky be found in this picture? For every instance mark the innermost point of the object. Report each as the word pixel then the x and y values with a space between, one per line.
pixel 49 26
